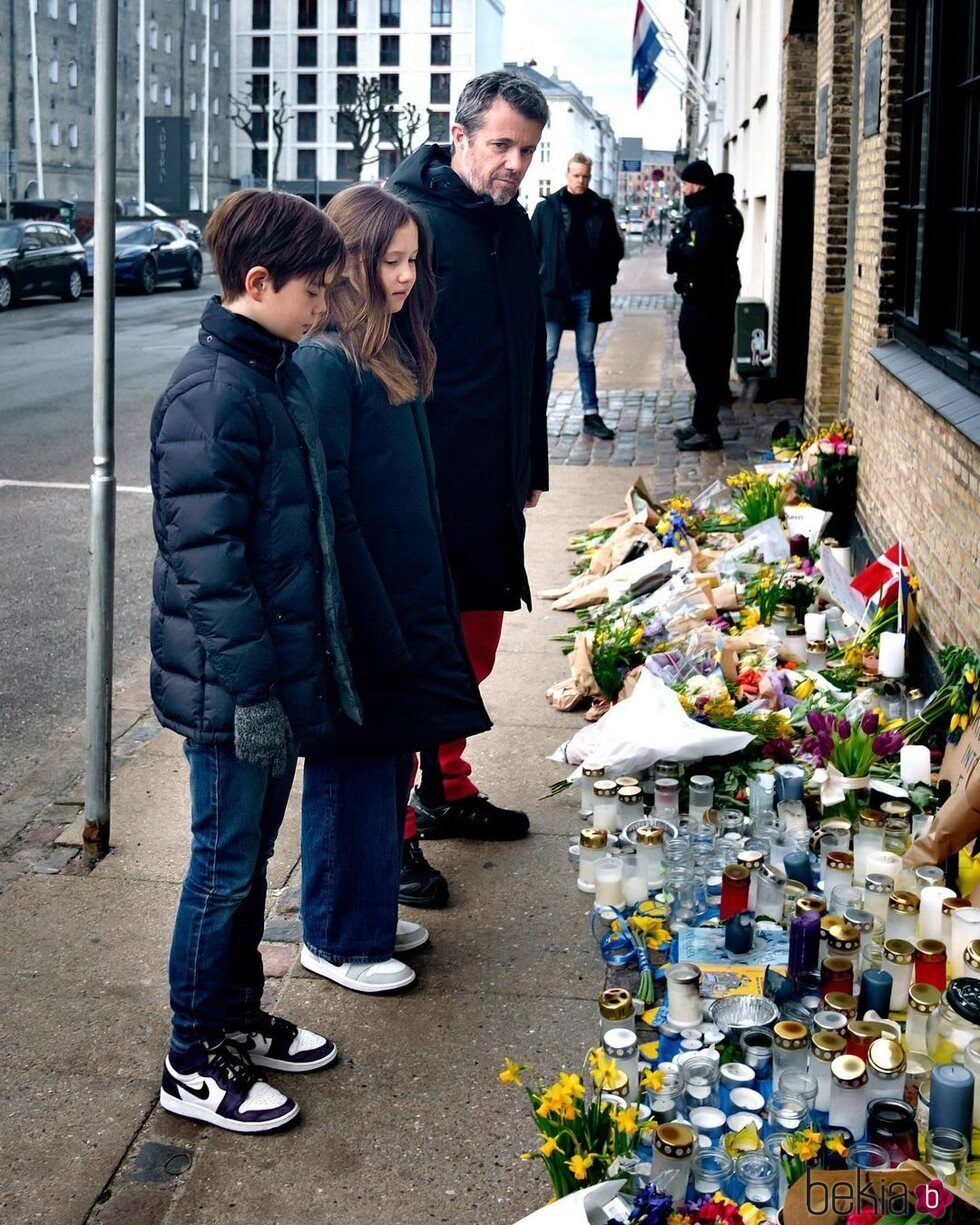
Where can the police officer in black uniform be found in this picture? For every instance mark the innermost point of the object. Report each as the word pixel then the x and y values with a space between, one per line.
pixel 704 256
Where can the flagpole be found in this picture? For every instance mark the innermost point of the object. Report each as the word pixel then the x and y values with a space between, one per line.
pixel 674 49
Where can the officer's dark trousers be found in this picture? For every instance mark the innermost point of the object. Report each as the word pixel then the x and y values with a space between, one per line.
pixel 707 331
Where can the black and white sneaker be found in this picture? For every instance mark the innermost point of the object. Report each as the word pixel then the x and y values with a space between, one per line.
pixel 224 1089
pixel 274 1043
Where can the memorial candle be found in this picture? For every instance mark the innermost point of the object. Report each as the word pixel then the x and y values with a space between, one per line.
pixel 804 943
pixel 931 911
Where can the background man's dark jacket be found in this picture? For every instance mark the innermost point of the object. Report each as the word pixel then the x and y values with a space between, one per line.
pixel 410 664
pixel 550 224
pixel 246 600
pixel 703 252
pixel 487 413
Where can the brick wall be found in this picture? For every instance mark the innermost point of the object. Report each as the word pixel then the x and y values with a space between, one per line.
pixel 834 69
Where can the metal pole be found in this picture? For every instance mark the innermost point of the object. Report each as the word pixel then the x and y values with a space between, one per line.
pixel 206 151
pixel 98 689
pixel 38 164
pixel 141 135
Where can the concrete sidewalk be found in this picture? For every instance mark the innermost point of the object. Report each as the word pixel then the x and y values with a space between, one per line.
pixel 412 1123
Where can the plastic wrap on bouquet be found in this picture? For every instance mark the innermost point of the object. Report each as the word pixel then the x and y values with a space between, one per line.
pixel 590 1206
pixel 649 726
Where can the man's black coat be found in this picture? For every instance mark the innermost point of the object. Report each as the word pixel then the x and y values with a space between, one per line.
pixel 550 224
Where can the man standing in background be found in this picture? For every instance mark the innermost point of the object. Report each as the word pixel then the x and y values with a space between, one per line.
pixel 579 249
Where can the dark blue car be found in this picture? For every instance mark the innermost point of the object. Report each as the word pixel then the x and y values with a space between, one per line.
pixel 150 252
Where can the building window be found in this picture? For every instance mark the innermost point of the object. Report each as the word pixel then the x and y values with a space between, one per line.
pixel 306 89
pixel 260 125
pixel 53 69
pixel 306 126
pixel 544 151
pixel 193 6
pixel 389 88
pixel 168 44
pixel 439 88
pixel 216 106
pixel 73 136
pixel 347 51
pixel 391 14
pixel 215 153
pixel 260 52
pixel 261 14
pixel 193 100
pixel 306 163
pixel 168 96
pixel 260 164
pixel 387 161
pixel 346 127
pixel 54 133
pixel 260 91
pixel 346 89
pixel 439 126
pixel 388 126
pixel 193 150
pixel 216 59
pixel 306 16
pixel 544 188
pixel 72 74
pixel 53 9
pixel 193 51
pixel 346 14
pixel 937 298
pixel 215 10
pixel 306 51
pixel 154 91
pixel 440 50
pixel 442 12
pixel 72 12
pixel 345 163
pixel 154 35
pixel 389 50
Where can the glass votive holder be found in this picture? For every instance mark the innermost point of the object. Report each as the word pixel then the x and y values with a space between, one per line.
pixel 791 1041
pixel 629 806
pixel 877 890
pixel 786 1113
pixel 931 900
pixel 897 958
pixel 902 919
pixel 970 1178
pixel 608 873
pixel 734 1076
pixel 964 928
pixel 711 1170
pixel 799 1084
pixel 865 1156
pixel 892 1126
pixel 757 1051
pixel 758 1175
pixel 591 771
pixel 604 804
pixel 747 1101
pixel 839 872
pixel 701 794
pixel 666 797
pixel 846 897
pixel 947 1151
pixel 702 1078
pixel 709 1122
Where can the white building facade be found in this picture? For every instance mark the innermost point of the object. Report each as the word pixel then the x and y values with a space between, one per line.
pixel 423 51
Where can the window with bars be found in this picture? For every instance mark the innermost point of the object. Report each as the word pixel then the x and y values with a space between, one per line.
pixel 260 90
pixel 440 50
pixel 390 90
pixel 346 89
pixel 306 51
pixel 306 85
pixel 439 88
pixel 387 161
pixel 388 126
pixel 391 14
pixel 346 14
pixel 347 51
pixel 306 126
pixel 439 126
pixel 442 12
pixel 260 163
pixel 345 163
pixel 937 297
pixel 306 14
pixel 261 14
pixel 390 50
pixel 260 52
pixel 346 127
pixel 260 125
pixel 306 164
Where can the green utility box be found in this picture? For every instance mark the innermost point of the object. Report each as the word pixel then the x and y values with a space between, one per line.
pixel 752 338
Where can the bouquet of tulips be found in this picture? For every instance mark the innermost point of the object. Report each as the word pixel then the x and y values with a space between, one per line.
pixel 851 746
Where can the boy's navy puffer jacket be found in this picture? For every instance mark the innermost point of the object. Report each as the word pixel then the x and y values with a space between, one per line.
pixel 246 602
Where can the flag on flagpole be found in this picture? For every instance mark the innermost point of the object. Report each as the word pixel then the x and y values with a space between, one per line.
pixel 885 578
pixel 646 48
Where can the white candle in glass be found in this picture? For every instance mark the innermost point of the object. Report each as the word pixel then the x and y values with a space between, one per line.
pixel 931 911
pixel 608 882
pixel 877 890
pixel 965 926
pixel 916 764
pixel 885 863
pixel 604 805
pixel 891 655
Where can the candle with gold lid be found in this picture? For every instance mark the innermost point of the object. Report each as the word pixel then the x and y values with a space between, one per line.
pixel 629 805
pixel 591 771
pixel 886 1070
pixel 868 838
pixel 616 1010
pixel 897 958
pixel 902 920
pixel 592 846
pixel 650 854
pixel 842 1002
pixel 949 904
pixel 837 974
pixel 859 1036
pixel 931 900
pixel 849 1095
pixel 604 804
pixel 811 904
pixel 825 1048
pixel 971 960
pixel 929 963
pixel 964 929
pixel 923 1001
pixel 790 1042
pixel 839 871
pixel 673 1145
pixel 843 940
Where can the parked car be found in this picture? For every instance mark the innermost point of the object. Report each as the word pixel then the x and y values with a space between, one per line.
pixel 39 257
pixel 149 252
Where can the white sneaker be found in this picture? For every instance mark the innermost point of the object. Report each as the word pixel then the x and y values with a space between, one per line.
pixel 224 1089
pixel 410 936
pixel 370 977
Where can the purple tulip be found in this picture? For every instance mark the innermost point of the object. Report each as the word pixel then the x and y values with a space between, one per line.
pixel 887 743
pixel 825 744
pixel 817 720
pixel 843 729
pixel 869 723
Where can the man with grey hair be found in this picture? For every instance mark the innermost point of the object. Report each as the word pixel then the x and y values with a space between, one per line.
pixel 487 412
pixel 579 249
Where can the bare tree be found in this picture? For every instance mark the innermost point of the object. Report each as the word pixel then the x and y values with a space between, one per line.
pixel 373 114
pixel 263 120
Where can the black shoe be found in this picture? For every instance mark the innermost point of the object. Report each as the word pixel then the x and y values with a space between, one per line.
pixel 700 442
pixel 594 425
pixel 474 817
pixel 684 432
pixel 421 884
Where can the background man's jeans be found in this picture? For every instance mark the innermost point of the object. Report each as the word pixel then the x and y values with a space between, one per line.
pixel 585 334
pixel 353 817
pixel 216 975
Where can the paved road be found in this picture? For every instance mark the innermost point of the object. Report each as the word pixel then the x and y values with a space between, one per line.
pixel 46 436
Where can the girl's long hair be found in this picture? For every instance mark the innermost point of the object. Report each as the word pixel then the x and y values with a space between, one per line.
pixel 395 348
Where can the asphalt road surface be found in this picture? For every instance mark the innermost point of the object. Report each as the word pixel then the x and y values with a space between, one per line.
pixel 46 441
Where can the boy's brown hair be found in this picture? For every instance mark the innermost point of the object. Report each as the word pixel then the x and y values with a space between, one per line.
pixel 275 230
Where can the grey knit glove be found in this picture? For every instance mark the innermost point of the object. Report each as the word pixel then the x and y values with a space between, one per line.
pixel 263 736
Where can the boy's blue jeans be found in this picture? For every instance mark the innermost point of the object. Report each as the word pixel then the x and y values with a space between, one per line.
pixel 216 975
pixel 585 337
pixel 353 817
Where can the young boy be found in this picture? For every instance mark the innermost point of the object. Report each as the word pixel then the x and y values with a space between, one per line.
pixel 249 657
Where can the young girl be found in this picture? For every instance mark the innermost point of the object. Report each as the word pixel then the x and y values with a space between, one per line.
pixel 370 365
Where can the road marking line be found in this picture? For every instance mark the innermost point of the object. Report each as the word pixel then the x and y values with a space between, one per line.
pixel 65 485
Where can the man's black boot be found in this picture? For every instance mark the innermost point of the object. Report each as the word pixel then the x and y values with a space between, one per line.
pixel 700 442
pixel 595 427
pixel 421 885
pixel 474 817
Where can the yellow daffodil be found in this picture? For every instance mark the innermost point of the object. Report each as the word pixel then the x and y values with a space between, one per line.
pixel 579 1165
pixel 718 1198
pixel 745 1141
pixel 511 1075
pixel 526 1156
pixel 625 1120
pixel 854 657
pixel 550 1145
pixel 803 689
pixel 751 1215
pixel 652 1079
pixel 571 1083
pixel 749 618
pixel 603 1068
pixel 675 1218
pixel 836 1145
